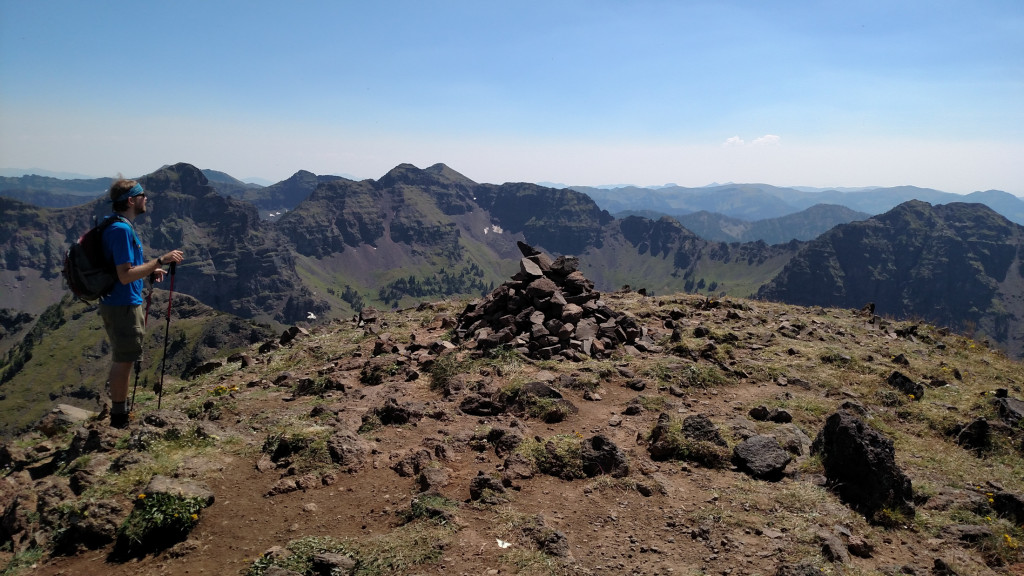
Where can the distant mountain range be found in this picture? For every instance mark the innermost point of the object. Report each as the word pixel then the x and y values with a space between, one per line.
pixel 752 202
pixel 328 245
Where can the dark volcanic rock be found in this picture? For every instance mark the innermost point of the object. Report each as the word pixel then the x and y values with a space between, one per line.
pixel 348 450
pixel 860 465
pixel 486 489
pixel 1011 410
pixel 700 427
pixel 602 456
pixel 905 385
pixel 761 457
pixel 1009 505
pixel 975 436
pixel 548 309
pixel 477 405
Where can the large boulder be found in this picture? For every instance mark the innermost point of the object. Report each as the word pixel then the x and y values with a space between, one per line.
pixel 860 466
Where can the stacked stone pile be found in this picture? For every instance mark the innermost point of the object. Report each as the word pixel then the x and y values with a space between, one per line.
pixel 549 309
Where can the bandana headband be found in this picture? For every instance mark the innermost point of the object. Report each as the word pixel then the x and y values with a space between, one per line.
pixel 135 191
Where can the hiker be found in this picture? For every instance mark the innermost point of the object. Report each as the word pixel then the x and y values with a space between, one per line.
pixel 122 310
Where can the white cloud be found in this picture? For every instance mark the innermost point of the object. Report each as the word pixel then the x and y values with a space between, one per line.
pixel 737 142
pixel 766 140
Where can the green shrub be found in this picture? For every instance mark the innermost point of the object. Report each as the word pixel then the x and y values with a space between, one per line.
pixel 158 519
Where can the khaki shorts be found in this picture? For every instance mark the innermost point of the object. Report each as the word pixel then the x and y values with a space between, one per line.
pixel 126 327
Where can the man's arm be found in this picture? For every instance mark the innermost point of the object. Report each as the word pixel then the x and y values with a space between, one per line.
pixel 127 273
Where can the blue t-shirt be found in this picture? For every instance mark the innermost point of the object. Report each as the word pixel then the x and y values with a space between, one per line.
pixel 121 244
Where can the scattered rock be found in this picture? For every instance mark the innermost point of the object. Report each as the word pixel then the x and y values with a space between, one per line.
pixel 391 412
pixel 700 427
pixel 1011 410
pixel 793 439
pixel 860 465
pixel 291 334
pixel 801 569
pixel 833 549
pixel 975 436
pixel 348 450
pixel 486 489
pixel 761 457
pixel 330 564
pixel 1009 505
pixel 966 532
pixel 62 418
pixel 602 456
pixel 908 387
pixel 205 368
pixel 547 540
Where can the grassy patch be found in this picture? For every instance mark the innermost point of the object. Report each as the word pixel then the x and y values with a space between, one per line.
pixel 672 444
pixel 414 544
pixel 444 370
pixel 653 403
pixel 703 376
pixel 560 455
pixel 164 457
pixel 22 562
pixel 535 563
pixel 431 507
pixel 305 450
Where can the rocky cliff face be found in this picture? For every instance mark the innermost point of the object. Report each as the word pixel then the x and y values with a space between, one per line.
pixel 432 229
pixel 282 196
pixel 427 233
pixel 234 263
pixel 956 265
pixel 561 221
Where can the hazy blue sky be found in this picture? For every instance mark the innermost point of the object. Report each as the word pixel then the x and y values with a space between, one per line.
pixel 816 93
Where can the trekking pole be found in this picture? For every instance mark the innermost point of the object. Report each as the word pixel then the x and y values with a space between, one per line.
pixel 167 331
pixel 138 361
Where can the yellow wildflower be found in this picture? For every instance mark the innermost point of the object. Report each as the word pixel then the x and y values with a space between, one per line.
pixel 141 496
pixel 195 517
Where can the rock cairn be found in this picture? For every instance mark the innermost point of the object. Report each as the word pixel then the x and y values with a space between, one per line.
pixel 549 309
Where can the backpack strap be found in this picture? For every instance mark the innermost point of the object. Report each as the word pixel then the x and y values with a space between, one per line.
pixel 115 218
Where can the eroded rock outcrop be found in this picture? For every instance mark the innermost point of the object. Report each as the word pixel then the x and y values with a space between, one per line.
pixel 860 466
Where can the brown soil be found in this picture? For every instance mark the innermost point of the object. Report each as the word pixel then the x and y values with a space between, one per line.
pixel 694 520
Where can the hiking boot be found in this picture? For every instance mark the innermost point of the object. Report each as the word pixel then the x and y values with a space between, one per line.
pixel 119 421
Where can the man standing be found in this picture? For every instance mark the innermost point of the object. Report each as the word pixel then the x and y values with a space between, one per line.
pixel 121 310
